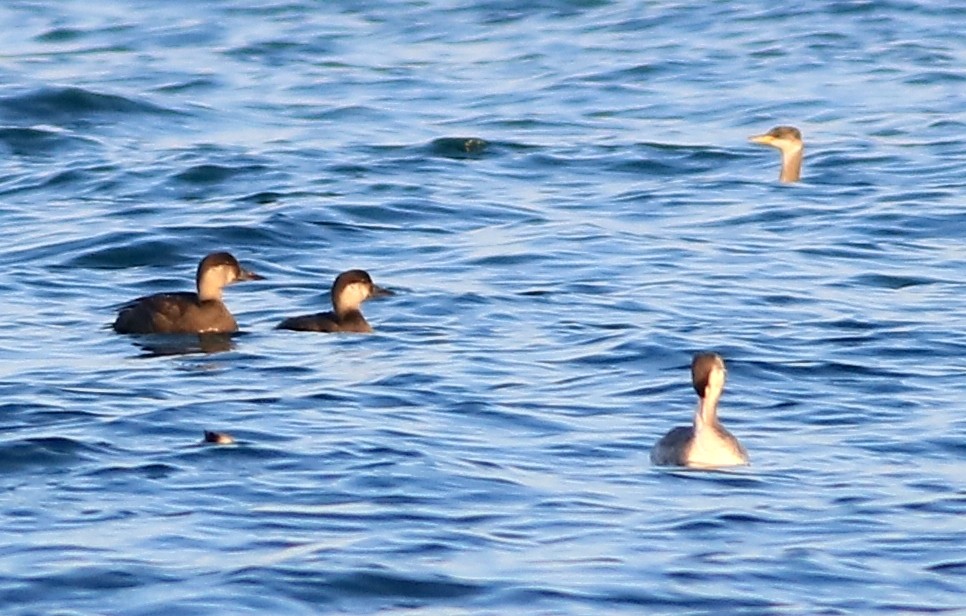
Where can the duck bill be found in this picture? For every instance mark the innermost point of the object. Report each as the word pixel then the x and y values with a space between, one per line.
pixel 381 292
pixel 247 275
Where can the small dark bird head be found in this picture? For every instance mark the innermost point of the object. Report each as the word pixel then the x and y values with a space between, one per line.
pixel 228 267
pixel 218 438
pixel 353 287
pixel 218 270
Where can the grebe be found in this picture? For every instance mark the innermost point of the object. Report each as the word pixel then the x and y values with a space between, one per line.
pixel 706 443
pixel 788 140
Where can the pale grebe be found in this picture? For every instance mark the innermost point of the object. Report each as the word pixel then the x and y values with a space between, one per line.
pixel 788 140
pixel 185 312
pixel 349 290
pixel 706 443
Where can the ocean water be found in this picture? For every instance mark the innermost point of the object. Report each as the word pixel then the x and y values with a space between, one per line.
pixel 562 196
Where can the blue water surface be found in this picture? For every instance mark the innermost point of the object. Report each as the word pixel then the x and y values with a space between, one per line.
pixel 562 196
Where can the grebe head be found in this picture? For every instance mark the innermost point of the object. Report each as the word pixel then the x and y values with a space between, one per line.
pixel 788 141
pixel 780 137
pixel 708 374
pixel 218 270
pixel 353 287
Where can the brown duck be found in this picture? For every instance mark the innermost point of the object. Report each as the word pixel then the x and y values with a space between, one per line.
pixel 349 290
pixel 185 312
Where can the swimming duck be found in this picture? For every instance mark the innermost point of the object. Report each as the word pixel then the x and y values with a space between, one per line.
pixel 349 290
pixel 184 312
pixel 705 443
pixel 788 141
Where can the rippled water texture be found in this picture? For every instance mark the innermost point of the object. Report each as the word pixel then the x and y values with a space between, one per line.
pixel 564 200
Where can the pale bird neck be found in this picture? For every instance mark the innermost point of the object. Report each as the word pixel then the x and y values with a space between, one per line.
pixel 350 299
pixel 707 412
pixel 209 289
pixel 791 165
